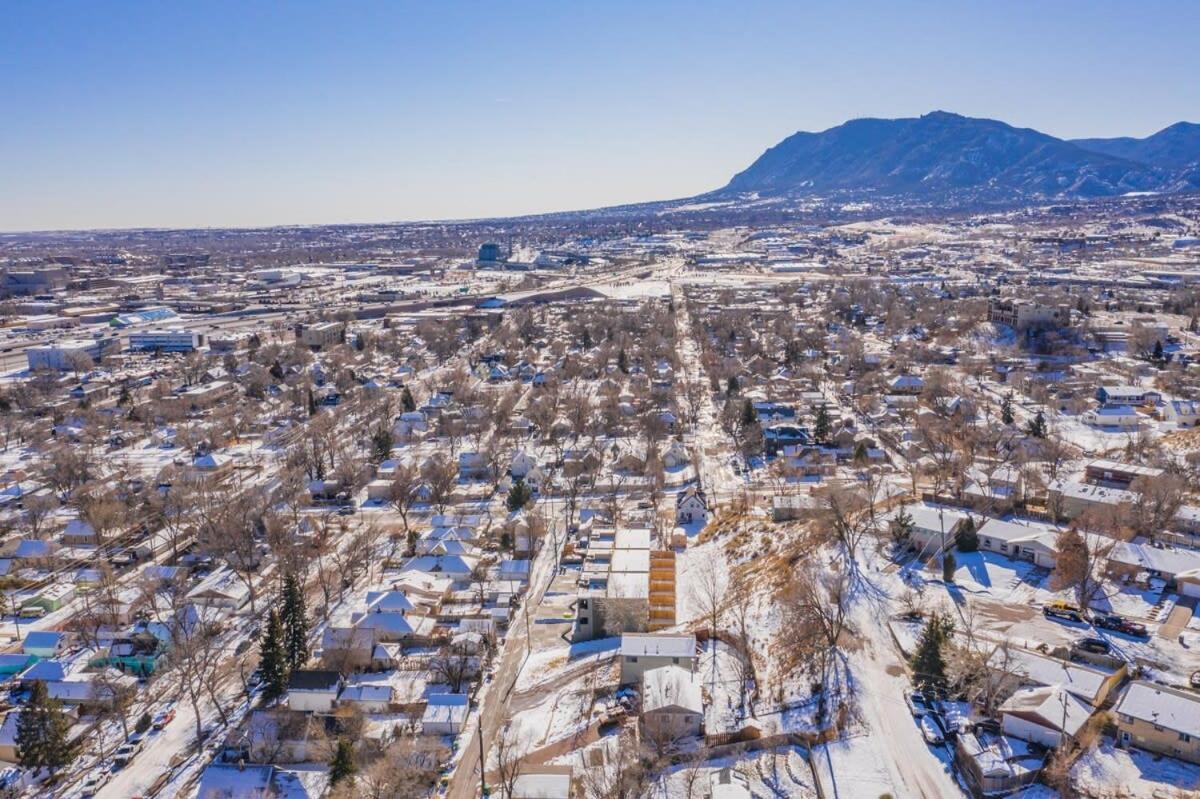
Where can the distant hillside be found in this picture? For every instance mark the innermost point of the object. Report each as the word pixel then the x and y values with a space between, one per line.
pixel 1175 147
pixel 947 155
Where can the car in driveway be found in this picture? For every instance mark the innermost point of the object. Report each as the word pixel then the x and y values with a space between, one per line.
pixel 1097 646
pixel 918 703
pixel 1111 621
pixel 931 731
pixel 1060 609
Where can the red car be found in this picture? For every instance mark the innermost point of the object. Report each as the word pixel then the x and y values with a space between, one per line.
pixel 163 718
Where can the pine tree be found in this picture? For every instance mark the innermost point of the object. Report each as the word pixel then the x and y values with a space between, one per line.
pixel 1158 356
pixel 949 564
pixel 381 444
pixel 731 386
pixel 902 527
pixel 928 662
pixel 1006 411
pixel 821 426
pixel 968 537
pixel 312 403
pixel 518 496
pixel 406 401
pixel 1037 427
pixel 749 415
pixel 295 623
pixel 342 765
pixel 273 658
pixel 623 361
pixel 43 732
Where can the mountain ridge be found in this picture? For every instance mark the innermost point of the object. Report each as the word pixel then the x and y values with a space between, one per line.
pixel 942 154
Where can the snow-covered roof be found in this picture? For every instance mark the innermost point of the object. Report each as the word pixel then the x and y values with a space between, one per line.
pixel 1178 711
pixel 658 645
pixel 670 686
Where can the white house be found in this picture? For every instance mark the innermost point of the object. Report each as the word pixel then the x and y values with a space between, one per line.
pixel 1043 715
pixel 672 706
pixel 641 652
pixel 445 714
pixel 691 506
pixel 1184 413
pixel 313 691
pixel 521 464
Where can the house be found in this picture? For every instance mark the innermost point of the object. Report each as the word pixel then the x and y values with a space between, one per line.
pixel 44 644
pixel 676 455
pixel 543 782
pixel 1034 544
pixel 1070 498
pixel 1127 395
pixel 1159 719
pixel 222 589
pixel 472 466
pixel 1014 668
pixel 691 506
pixel 931 525
pixel 1044 715
pixel 313 690
pixel 672 707
pixel 995 765
pixel 1119 417
pixel 1115 474
pixel 445 714
pixel 641 652
pixel 521 464
pixel 236 781
pixel 906 384
pixel 367 697
pixel 1183 413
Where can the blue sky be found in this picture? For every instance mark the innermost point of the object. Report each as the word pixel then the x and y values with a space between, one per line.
pixel 156 114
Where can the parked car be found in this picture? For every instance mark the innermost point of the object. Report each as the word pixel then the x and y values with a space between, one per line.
pixel 1111 621
pixel 1060 609
pixel 1091 644
pixel 125 753
pixel 918 703
pixel 931 731
pixel 92 785
pixel 163 718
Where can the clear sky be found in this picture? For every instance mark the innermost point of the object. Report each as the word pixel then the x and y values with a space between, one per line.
pixel 157 114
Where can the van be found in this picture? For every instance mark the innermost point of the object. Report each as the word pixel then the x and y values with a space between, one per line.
pixel 33 612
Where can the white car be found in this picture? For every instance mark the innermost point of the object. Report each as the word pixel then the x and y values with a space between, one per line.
pixel 929 729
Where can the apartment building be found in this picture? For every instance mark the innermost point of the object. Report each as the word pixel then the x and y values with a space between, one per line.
pixel 1024 314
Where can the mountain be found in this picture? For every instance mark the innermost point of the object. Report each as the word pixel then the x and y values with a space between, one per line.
pixel 942 155
pixel 1177 146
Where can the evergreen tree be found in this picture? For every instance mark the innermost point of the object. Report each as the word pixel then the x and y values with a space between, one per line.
pixel 902 527
pixel 406 401
pixel 295 623
pixel 518 496
pixel 273 661
pixel 1006 411
pixel 928 662
pixel 342 765
pixel 949 564
pixel 1037 427
pixel 731 386
pixel 749 415
pixel 968 537
pixel 1158 356
pixel 381 444
pixel 312 403
pixel 42 732
pixel 821 426
pixel 623 361
pixel 277 370
pixel 124 397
